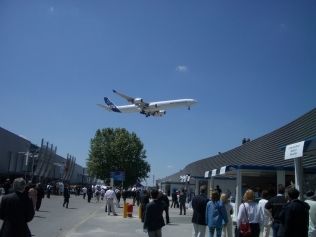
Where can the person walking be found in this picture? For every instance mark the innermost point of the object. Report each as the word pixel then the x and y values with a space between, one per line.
pixel 118 197
pixel 249 212
pixel 84 192
pixel 294 216
pixel 199 203
pixel 97 193
pixel 89 193
pixel 163 198
pixel 143 203
pixel 32 192
pixel 40 195
pixel 66 194
pixel 267 217
pixel 16 210
pixel 218 189
pixel 7 186
pixel 124 195
pixel 110 198
pixel 48 190
pixel 182 200
pixel 311 201
pixel 274 205
pixel 216 215
pixel 228 228
pixel 102 193
pixel 153 221
pixel 174 199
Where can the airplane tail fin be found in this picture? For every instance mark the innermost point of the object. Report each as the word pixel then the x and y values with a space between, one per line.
pixel 111 106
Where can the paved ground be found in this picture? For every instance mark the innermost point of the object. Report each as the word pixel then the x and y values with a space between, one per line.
pixel 89 219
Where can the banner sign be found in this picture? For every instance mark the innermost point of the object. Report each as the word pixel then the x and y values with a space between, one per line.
pixel 118 175
pixel 222 170
pixel 294 150
pixel 213 172
pixel 206 174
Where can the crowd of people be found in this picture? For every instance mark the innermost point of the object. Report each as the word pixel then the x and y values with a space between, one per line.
pixel 282 215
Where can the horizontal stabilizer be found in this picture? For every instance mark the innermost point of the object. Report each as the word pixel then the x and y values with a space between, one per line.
pixel 104 106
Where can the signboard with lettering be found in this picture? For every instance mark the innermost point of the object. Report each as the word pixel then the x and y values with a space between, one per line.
pixel 294 150
pixel 118 175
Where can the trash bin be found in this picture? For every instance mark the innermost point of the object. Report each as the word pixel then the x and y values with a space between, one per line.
pixel 130 210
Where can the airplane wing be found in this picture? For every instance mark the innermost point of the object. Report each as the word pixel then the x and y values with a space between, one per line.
pixel 128 98
pixel 139 102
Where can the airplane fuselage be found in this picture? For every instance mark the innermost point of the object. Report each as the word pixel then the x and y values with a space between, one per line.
pixel 162 105
pixel 149 109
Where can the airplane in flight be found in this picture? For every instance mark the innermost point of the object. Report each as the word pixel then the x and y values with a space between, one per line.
pixel 156 109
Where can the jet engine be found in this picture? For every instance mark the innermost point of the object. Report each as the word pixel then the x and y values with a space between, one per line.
pixel 138 101
pixel 159 113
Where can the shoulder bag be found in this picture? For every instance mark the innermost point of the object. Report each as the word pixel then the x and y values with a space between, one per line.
pixel 244 228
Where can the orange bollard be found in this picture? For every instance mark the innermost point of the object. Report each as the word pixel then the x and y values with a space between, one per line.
pixel 140 212
pixel 125 209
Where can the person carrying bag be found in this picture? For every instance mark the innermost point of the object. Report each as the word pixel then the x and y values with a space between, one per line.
pixel 249 216
pixel 244 228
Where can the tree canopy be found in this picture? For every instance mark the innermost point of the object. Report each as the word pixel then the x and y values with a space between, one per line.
pixel 117 150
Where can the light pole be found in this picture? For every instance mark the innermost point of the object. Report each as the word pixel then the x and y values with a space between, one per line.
pixel 28 155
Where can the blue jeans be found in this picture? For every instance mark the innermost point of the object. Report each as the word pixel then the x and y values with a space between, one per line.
pixel 212 231
pixel 275 228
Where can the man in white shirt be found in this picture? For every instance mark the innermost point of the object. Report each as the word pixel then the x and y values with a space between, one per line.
pixel 84 192
pixel 110 198
pixel 267 218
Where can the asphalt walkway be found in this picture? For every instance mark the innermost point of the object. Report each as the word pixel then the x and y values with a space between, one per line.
pixel 91 220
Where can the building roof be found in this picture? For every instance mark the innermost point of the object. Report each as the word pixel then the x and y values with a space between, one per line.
pixel 267 150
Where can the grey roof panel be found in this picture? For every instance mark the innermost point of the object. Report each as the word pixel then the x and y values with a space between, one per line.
pixel 263 151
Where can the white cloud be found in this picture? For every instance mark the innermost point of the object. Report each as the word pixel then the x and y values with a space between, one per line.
pixel 169 166
pixel 181 68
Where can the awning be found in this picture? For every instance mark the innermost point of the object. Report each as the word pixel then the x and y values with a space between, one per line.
pixel 229 170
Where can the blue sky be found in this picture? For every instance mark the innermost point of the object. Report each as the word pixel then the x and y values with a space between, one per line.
pixel 250 64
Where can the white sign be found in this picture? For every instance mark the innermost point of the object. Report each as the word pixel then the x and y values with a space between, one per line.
pixel 294 150
pixel 214 172
pixel 206 174
pixel 222 170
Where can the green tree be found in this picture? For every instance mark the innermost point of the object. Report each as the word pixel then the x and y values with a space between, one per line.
pixel 117 150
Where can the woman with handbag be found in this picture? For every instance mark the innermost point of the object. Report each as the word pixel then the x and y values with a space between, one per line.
pixel 250 216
